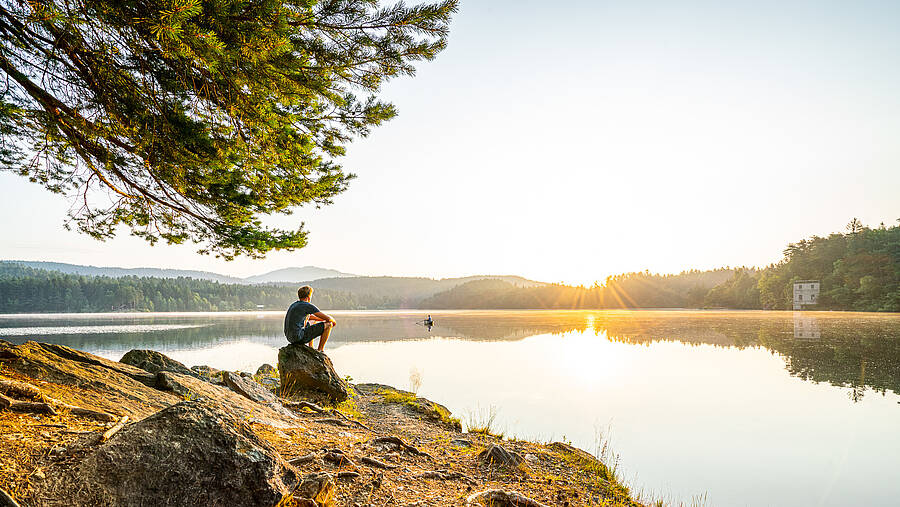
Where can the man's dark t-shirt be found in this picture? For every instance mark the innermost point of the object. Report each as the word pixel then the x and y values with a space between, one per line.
pixel 295 319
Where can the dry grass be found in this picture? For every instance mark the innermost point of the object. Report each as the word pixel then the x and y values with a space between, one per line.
pixel 27 440
pixel 483 422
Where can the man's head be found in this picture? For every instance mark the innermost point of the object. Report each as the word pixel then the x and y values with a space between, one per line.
pixel 304 293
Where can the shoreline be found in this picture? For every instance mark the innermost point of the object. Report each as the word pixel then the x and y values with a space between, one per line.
pixel 457 311
pixel 453 473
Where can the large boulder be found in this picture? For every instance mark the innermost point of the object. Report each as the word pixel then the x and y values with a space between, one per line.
pixel 247 388
pixel 192 453
pixel 272 414
pixel 155 362
pixel 207 373
pixel 250 389
pixel 303 368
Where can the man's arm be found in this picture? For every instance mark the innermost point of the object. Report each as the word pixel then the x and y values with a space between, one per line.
pixel 323 317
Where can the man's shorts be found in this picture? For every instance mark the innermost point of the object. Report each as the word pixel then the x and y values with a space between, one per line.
pixel 308 333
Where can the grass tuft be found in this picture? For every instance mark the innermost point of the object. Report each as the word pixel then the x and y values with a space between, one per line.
pixel 483 422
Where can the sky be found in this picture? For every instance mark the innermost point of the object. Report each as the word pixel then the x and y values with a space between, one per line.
pixel 568 141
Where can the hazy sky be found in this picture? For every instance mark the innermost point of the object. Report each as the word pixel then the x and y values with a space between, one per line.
pixel 566 141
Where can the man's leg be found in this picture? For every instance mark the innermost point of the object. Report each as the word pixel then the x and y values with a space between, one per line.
pixel 324 337
pixel 303 340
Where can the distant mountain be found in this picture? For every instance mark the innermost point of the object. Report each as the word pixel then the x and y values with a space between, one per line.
pixel 286 275
pixel 76 269
pixel 405 291
pixel 296 275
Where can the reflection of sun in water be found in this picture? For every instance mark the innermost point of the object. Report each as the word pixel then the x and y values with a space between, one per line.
pixel 586 357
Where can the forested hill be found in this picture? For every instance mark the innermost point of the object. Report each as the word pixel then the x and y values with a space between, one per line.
pixel 24 289
pixel 858 270
pixel 630 290
pixel 28 290
pixel 286 275
pixel 113 272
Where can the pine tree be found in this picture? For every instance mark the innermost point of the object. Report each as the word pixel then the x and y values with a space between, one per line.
pixel 188 120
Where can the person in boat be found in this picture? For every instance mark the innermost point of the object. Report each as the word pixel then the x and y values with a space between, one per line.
pixel 303 322
pixel 428 321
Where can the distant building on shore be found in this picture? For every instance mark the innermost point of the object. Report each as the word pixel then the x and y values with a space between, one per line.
pixel 806 292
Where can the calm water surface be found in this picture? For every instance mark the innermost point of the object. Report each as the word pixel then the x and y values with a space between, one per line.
pixel 749 408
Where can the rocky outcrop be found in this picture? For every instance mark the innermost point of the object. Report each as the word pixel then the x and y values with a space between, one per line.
pixel 305 369
pixel 208 373
pixel 498 455
pixel 253 391
pixel 434 412
pixel 240 406
pixel 211 451
pixel 192 453
pixel 87 380
pixel 247 388
pixel 154 362
pixel 44 354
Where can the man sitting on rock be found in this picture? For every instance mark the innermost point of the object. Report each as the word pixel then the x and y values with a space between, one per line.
pixel 297 322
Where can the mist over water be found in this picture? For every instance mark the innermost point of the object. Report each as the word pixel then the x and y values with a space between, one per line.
pixel 753 408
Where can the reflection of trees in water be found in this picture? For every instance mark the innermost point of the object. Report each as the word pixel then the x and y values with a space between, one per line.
pixel 687 328
pixel 858 352
pixel 508 326
pixel 268 330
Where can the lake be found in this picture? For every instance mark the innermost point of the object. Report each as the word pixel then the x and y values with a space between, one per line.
pixel 746 408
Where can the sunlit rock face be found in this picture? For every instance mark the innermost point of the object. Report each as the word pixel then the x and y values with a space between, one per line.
pixel 304 369
pixel 155 362
pixel 192 453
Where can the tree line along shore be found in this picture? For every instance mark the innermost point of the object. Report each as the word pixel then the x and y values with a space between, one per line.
pixel 859 271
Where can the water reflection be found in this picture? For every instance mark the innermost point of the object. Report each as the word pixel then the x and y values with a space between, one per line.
pixel 738 404
pixel 806 327
pixel 858 351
